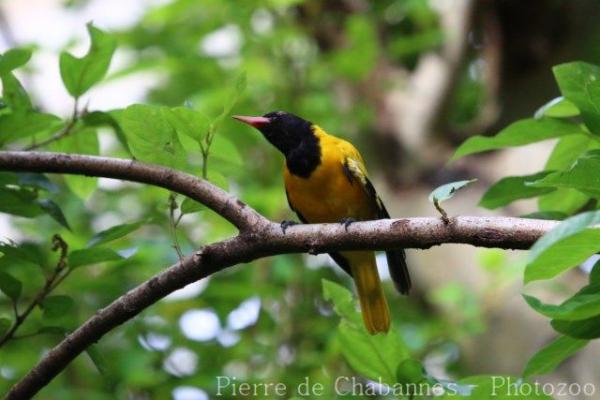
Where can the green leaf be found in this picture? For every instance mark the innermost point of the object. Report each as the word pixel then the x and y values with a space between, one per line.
pixel 10 286
pixel 557 108
pixel 415 44
pixel 551 215
pixel 551 356
pixel 567 201
pixel 448 190
pixel 13 59
pixel 579 83
pixel 53 210
pixel 5 325
pixel 19 201
pixel 103 366
pixel 580 306
pixel 224 149
pixel 23 254
pixel 57 307
pixel 512 188
pixel 151 136
pixel 410 371
pixel 520 133
pixel 236 93
pixel 582 329
pixel 22 125
pixel 98 359
pixel 566 254
pixel 8 178
pixel 92 255
pixel 114 233
pixel 189 206
pixel 14 94
pixel 238 90
pixel 218 179
pixel 343 303
pixel 97 119
pixel 189 122
pixel 565 246
pixel 582 176
pixel 374 356
pixel 38 181
pixel 80 141
pixel 568 149
pixel 80 74
pixel 595 274
pixel 361 44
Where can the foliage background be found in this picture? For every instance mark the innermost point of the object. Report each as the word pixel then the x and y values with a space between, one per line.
pixel 362 70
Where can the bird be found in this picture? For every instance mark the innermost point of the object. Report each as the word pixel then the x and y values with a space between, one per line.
pixel 326 181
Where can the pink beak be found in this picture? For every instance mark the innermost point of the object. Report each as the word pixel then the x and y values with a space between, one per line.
pixel 256 122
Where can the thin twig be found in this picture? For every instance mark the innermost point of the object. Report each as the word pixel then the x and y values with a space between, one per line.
pixel 64 132
pixel 27 335
pixel 173 224
pixel 50 285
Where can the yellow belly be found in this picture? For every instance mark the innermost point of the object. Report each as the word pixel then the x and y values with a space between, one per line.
pixel 327 195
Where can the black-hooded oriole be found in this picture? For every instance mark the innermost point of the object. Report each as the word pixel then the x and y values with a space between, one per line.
pixel 326 181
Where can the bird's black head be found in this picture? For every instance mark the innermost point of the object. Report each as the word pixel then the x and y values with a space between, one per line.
pixel 287 132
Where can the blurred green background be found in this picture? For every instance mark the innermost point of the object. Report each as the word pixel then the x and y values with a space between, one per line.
pixel 405 80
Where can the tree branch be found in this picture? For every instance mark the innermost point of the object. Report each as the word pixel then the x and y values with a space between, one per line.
pixel 223 203
pixel 258 238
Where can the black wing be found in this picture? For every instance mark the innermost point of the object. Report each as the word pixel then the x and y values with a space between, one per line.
pixel 396 258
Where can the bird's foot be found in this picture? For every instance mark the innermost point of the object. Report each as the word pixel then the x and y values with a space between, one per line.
pixel 347 222
pixel 286 224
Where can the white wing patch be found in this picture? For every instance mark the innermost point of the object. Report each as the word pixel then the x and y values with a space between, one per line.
pixel 357 170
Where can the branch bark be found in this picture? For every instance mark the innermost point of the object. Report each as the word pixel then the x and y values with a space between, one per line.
pixel 258 238
pixel 223 203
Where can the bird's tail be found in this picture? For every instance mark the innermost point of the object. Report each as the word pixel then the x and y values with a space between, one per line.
pixel 398 270
pixel 373 304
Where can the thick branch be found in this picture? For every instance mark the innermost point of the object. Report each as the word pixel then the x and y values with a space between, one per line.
pixel 416 233
pixel 502 232
pixel 199 265
pixel 258 238
pixel 229 207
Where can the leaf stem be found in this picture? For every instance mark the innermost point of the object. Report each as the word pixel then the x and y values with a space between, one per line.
pixel 445 218
pixel 14 307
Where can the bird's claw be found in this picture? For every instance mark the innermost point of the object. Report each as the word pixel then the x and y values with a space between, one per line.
pixel 286 224
pixel 347 222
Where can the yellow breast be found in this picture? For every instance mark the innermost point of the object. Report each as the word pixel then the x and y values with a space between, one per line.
pixel 328 195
